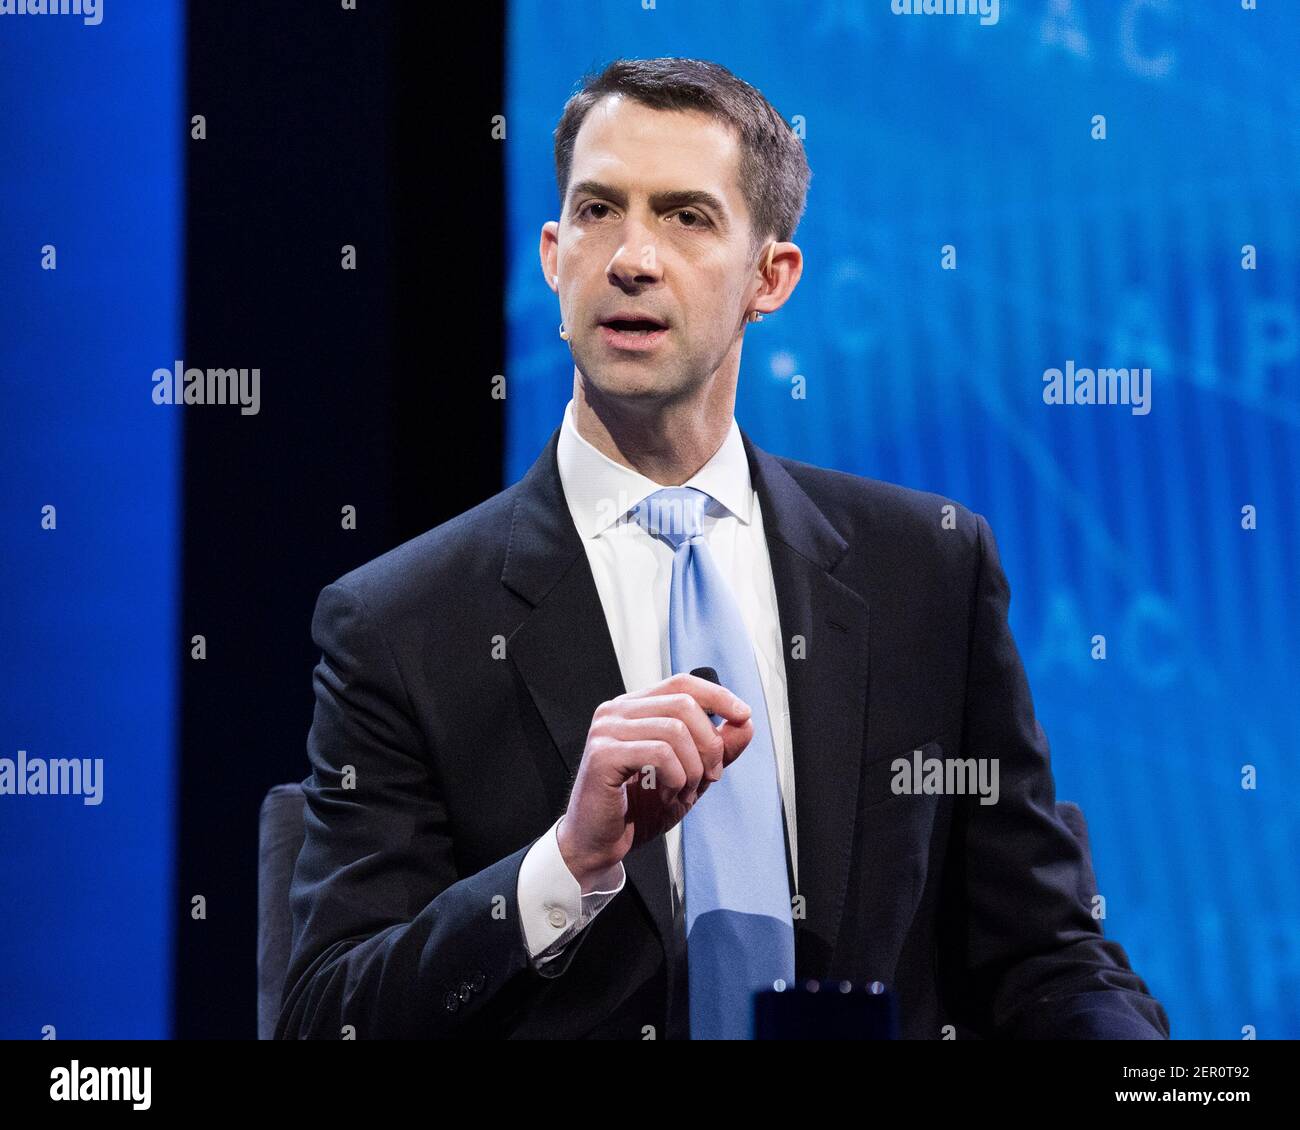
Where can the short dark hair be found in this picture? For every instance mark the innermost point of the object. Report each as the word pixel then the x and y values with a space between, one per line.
pixel 774 172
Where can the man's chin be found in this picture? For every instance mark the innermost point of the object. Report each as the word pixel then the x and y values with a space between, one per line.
pixel 632 380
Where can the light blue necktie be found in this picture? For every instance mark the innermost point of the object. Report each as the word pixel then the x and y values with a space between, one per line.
pixel 739 926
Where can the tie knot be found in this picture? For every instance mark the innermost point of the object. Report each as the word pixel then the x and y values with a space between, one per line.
pixel 675 514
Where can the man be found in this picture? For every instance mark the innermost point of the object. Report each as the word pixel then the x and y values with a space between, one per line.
pixel 618 746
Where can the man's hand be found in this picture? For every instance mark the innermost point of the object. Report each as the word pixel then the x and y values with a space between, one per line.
pixel 650 755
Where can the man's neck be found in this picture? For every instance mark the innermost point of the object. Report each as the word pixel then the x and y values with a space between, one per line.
pixel 666 443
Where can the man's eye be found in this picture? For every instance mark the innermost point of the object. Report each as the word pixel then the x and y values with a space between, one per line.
pixel 689 217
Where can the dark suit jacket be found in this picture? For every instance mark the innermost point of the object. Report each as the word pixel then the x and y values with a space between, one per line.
pixel 459 675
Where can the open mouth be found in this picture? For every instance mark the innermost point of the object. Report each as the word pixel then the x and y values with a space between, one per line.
pixel 629 333
pixel 633 325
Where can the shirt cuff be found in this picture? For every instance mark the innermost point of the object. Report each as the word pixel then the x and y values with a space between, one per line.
pixel 551 903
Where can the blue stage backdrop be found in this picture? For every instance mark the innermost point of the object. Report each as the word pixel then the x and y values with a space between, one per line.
pixel 1169 244
pixel 90 246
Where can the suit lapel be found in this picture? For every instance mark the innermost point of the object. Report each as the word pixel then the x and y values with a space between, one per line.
pixel 563 650
pixel 827 689
pixel 564 654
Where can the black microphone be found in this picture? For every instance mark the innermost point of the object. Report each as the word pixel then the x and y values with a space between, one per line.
pixel 712 676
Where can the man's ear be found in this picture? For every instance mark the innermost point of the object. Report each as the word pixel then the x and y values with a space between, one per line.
pixel 781 266
pixel 549 252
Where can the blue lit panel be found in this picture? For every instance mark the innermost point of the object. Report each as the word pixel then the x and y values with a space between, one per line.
pixel 1071 250
pixel 90 165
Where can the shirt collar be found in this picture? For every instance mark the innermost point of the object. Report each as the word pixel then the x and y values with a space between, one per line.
pixel 599 491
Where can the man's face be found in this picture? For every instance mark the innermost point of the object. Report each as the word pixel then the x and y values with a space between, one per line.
pixel 654 226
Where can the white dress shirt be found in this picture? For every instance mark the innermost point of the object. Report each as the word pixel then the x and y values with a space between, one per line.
pixel 628 563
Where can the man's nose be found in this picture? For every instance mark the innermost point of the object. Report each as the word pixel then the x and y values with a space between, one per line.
pixel 637 257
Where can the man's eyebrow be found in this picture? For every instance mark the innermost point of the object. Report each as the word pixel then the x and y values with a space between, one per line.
pixel 674 198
